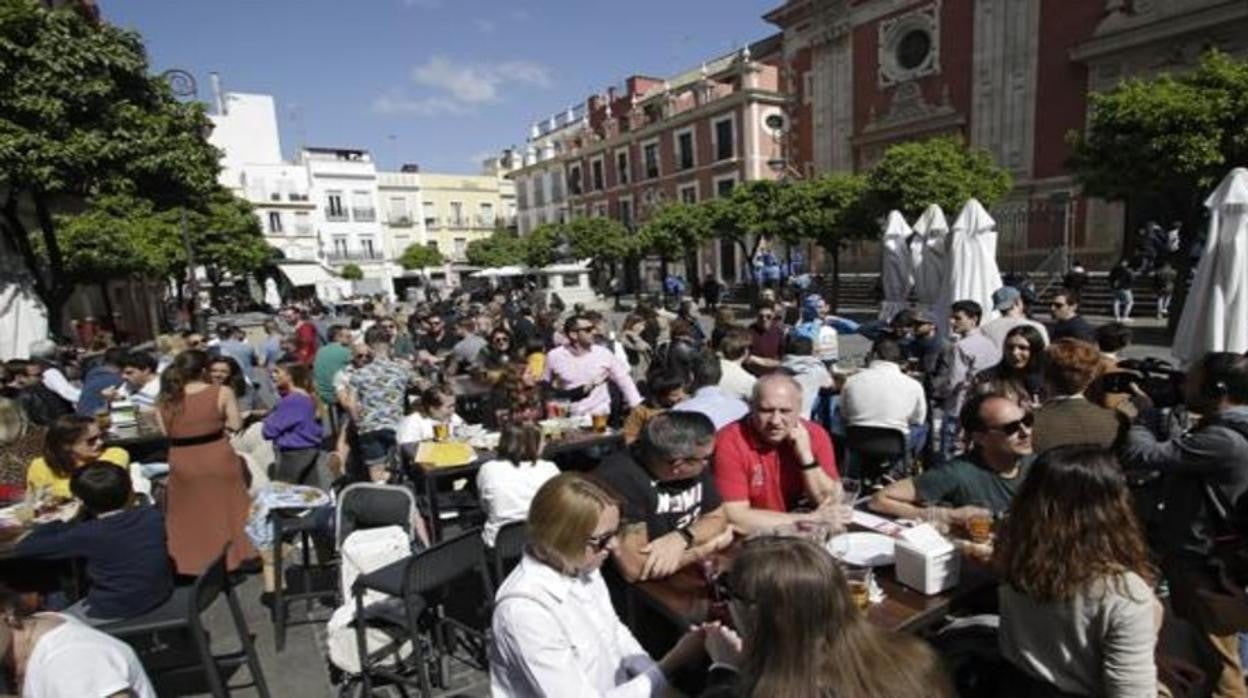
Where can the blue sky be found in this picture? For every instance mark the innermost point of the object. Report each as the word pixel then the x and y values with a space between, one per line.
pixel 438 82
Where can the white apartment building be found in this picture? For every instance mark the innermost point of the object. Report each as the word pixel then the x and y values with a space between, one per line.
pixel 541 192
pixel 344 190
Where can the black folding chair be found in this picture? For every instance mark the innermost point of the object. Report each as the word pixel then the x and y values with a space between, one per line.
pixel 307 581
pixel 508 548
pixel 440 611
pixel 875 450
pixel 182 616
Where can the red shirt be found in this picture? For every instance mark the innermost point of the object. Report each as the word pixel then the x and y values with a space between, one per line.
pixel 305 334
pixel 770 477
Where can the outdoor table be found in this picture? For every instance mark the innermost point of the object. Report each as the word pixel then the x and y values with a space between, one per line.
pixel 684 599
pixel 143 440
pixel 39 575
pixel 562 451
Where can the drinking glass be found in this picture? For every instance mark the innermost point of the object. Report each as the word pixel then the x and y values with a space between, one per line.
pixel 859 580
pixel 600 423
pixel 441 431
pixel 851 488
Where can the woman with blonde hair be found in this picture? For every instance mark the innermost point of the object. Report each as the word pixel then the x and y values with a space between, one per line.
pixel 803 637
pixel 555 631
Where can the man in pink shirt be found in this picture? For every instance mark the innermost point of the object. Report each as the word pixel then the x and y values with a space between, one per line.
pixel 585 367
pixel 772 458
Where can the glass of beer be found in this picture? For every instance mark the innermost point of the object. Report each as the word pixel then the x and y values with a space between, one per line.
pixel 600 423
pixel 441 431
pixel 860 587
pixel 979 526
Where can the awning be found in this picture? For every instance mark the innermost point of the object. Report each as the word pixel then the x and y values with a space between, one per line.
pixel 305 274
pixel 500 272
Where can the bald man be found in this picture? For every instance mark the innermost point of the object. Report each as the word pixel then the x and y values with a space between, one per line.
pixel 772 461
pixel 984 479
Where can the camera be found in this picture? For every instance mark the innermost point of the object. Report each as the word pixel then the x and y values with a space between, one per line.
pixel 1158 379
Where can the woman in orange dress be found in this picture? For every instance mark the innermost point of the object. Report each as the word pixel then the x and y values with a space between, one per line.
pixel 206 498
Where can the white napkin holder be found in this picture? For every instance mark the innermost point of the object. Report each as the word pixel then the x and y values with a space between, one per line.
pixel 926 561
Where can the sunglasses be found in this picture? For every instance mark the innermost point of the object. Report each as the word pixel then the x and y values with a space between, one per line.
pixel 600 542
pixel 501 340
pixel 1012 428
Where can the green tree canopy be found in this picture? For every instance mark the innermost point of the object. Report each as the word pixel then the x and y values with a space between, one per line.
pixel 226 235
pixel 542 245
pixel 120 234
pixel 1170 139
pixel 942 171
pixel 501 249
pixel 598 238
pixel 418 256
pixel 80 117
pixel 351 272
pixel 673 230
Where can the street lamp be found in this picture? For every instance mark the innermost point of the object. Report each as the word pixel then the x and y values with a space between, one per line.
pixel 182 84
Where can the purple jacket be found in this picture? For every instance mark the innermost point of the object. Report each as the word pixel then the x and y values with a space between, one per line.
pixel 293 424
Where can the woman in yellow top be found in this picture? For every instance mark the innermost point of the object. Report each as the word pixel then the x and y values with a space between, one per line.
pixel 72 442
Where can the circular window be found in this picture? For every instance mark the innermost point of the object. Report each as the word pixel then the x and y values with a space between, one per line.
pixel 913 49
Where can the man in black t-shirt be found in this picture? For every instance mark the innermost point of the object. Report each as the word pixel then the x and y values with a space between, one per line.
pixel 672 513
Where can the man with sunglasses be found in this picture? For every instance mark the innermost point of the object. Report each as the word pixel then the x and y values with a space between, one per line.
pixel 672 512
pixel 585 366
pixel 767 332
pixel 986 478
pixel 1067 322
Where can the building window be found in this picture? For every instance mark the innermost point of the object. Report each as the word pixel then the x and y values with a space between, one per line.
pixel 398 211
pixel 650 157
pixel 340 246
pixel 366 246
pixel 432 244
pixel 684 150
pixel 600 211
pixel 362 207
pixel 689 193
pixel 303 225
pixel 556 188
pixel 275 222
pixel 522 193
pixel 626 212
pixel 457 214
pixel 724 186
pixel 808 86
pixel 725 139
pixel 574 180
pixel 571 280
pixel 334 209
pixel 461 247
pixel 621 167
pixel 597 174
pixel 431 214
pixel 909 46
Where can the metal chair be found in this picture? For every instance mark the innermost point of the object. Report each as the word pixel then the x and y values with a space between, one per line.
pixel 873 450
pixel 508 548
pixel 182 614
pixel 307 582
pixel 434 586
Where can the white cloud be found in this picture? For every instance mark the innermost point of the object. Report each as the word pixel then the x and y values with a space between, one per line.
pixel 460 88
pixel 397 103
pixel 485 26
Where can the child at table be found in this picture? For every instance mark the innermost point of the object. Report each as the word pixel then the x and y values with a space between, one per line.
pixel 123 544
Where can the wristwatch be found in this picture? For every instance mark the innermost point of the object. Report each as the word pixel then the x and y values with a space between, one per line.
pixel 811 465
pixel 687 535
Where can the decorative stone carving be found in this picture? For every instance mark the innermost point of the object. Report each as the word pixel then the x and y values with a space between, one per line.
pixel 907 106
pixel 909 45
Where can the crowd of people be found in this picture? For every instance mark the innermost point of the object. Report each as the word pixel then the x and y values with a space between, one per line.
pixel 731 433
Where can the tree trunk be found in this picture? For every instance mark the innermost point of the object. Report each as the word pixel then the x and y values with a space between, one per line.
pixel 53 289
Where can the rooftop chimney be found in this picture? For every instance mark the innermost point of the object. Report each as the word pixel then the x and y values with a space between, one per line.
pixel 218 97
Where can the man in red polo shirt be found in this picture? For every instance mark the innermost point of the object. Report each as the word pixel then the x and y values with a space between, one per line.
pixel 773 458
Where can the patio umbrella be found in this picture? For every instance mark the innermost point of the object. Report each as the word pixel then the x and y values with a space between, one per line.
pixel 271 297
pixel 895 268
pixel 929 255
pixel 1215 315
pixel 973 272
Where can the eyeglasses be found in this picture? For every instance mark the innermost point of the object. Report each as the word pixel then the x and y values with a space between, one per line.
pixel 1012 428
pixel 600 542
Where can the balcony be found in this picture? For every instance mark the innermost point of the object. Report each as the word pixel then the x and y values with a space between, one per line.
pixel 336 214
pixel 400 222
pixel 366 215
pixel 335 256
pixel 432 223
pixel 296 197
pixel 484 221
pixel 457 222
